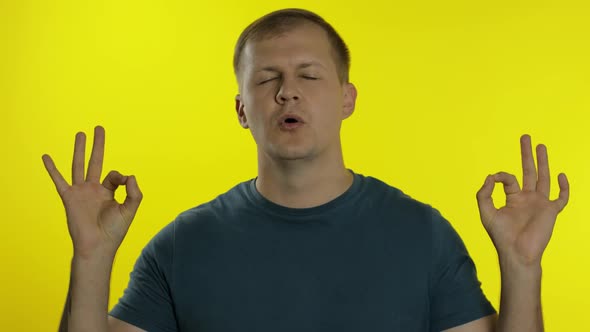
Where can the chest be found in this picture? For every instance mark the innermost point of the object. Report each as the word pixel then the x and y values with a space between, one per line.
pixel 301 281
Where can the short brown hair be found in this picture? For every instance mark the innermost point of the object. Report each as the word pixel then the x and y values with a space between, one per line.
pixel 281 21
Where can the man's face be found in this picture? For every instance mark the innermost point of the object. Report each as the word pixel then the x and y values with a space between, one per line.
pixel 291 97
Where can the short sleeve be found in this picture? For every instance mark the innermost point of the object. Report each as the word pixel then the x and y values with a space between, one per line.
pixel 147 300
pixel 456 297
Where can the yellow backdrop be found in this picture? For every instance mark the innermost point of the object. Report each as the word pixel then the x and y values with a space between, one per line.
pixel 446 88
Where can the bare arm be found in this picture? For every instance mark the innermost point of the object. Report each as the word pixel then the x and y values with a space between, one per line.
pixel 89 291
pixel 95 279
pixel 97 224
pixel 520 300
pixel 520 303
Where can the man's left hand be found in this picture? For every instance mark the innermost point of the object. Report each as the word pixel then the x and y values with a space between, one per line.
pixel 522 228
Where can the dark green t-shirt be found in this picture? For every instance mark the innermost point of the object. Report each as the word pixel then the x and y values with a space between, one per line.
pixel 372 260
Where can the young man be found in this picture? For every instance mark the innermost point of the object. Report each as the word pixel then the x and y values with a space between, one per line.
pixel 308 245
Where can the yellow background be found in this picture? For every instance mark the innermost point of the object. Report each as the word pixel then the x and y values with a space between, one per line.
pixel 446 88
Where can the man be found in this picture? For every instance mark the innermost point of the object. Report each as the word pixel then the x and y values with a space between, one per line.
pixel 308 245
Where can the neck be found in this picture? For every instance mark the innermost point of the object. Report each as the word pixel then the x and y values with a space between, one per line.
pixel 302 183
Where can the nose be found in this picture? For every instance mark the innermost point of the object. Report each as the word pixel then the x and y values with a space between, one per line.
pixel 288 90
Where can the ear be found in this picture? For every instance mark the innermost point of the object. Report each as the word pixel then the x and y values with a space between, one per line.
pixel 349 100
pixel 240 112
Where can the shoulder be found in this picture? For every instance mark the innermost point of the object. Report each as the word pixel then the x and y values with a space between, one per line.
pixel 213 215
pixel 416 219
pixel 393 199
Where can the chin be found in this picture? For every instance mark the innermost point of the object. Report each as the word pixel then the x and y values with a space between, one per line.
pixel 291 153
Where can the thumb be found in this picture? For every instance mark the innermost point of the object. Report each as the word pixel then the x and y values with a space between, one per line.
pixel 134 196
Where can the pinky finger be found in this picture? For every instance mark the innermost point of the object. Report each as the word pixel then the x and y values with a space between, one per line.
pixel 58 180
pixel 564 192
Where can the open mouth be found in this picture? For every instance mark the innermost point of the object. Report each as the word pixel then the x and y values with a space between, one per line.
pixel 290 118
pixel 289 122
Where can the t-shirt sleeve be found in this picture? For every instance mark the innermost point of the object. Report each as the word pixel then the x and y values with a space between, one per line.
pixel 456 295
pixel 147 300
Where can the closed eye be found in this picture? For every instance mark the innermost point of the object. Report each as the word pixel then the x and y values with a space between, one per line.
pixel 267 80
pixel 309 77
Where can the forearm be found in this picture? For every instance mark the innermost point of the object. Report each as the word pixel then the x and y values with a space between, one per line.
pixel 520 301
pixel 86 306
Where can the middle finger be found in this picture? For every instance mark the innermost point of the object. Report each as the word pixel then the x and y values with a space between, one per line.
pixel 96 158
pixel 529 172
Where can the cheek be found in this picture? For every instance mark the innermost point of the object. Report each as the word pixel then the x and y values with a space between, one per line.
pixel 256 109
pixel 260 98
pixel 329 102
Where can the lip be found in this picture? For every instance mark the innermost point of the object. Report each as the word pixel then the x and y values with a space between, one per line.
pixel 281 120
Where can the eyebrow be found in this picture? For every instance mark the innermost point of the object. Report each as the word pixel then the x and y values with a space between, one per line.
pixel 302 65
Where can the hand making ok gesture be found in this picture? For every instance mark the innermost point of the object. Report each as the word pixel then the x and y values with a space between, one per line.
pixel 522 228
pixel 96 221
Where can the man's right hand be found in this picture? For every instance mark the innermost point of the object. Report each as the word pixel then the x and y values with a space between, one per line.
pixel 96 221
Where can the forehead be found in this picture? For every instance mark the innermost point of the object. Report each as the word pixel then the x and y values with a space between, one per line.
pixel 305 43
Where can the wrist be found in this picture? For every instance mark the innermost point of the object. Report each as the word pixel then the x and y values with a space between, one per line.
pixel 94 257
pixel 99 252
pixel 515 270
pixel 510 257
